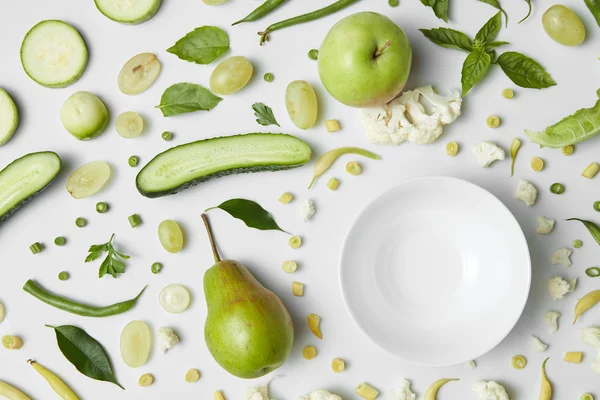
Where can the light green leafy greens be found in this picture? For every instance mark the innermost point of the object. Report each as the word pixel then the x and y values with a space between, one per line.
pixel 250 212
pixel 113 263
pixel 529 12
pixel 496 4
pixel 264 114
pixel 202 45
pixel 594 7
pixel 440 8
pixel 183 98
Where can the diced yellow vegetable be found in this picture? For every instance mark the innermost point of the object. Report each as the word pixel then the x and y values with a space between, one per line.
pixel 309 352
pixel 289 266
pixel 366 391
pixel 192 375
pixel 508 93
pixel 452 149
pixel 591 170
pixel 332 125
pixel 333 184
pixel 314 322
pixel 286 198
pixel 295 242
pixel 338 365
pixel 146 380
pixel 493 121
pixel 574 357
pixel 537 164
pixel 568 150
pixel 298 289
pixel 218 395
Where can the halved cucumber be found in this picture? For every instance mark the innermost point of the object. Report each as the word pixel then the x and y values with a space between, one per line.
pixel 187 165
pixel 53 54
pixel 24 178
pixel 128 11
pixel 9 117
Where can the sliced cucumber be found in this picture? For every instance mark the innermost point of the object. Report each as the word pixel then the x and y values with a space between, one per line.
pixel 187 165
pixel 9 117
pixel 128 11
pixel 53 54
pixel 24 178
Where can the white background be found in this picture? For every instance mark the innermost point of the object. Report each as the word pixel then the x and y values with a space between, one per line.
pixel 54 212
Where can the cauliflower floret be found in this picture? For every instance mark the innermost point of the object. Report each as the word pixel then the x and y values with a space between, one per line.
pixel 403 392
pixel 561 256
pixel 538 345
pixel 551 320
pixel 558 287
pixel 320 394
pixel 544 225
pixel 257 393
pixel 490 391
pixel 591 337
pixel 487 152
pixel 166 339
pixel 526 192
pixel 306 210
pixel 417 116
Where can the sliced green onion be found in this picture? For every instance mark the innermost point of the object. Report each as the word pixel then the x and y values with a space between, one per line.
pixel 393 3
pixel 493 121
pixel 295 242
pixel 37 247
pixel 102 207
pixel 354 168
pixel 593 272
pixel 557 188
pixel 134 220
pixel 568 150
pixel 508 93
pixel 518 362
pixel 81 222
pixel 587 396
pixel 64 275
pixel 452 149
pixel 133 161
pixel 597 206
pixel 577 243
pixel 60 241
pixel 269 77
pixel 167 136
pixel 156 268
pixel 313 54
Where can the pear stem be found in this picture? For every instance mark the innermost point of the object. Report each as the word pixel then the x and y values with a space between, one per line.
pixel 382 49
pixel 213 246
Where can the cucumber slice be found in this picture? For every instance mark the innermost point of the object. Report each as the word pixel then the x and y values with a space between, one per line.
pixel 25 177
pixel 53 54
pixel 128 11
pixel 187 165
pixel 9 117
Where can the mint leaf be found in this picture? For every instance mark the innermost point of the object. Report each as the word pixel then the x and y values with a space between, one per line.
pixel 440 8
pixel 474 68
pixel 202 45
pixel 264 114
pixel 529 13
pixel 448 38
pixel 489 31
pixel 524 71
pixel 186 97
pixel 496 4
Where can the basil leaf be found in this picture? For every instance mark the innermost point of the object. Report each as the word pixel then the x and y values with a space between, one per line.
pixel 591 227
pixel 524 71
pixel 202 45
pixel 253 215
pixel 529 12
pixel 186 97
pixel 474 68
pixel 493 45
pixel 496 4
pixel 440 8
pixel 448 38
pixel 594 7
pixel 85 353
pixel 489 31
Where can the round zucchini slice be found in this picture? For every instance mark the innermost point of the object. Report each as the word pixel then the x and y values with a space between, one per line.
pixel 128 11
pixel 9 117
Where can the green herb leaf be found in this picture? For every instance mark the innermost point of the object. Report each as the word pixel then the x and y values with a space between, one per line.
pixel 85 353
pixel 264 114
pixel 524 71
pixel 591 227
pixel 489 31
pixel 493 45
pixel 440 8
pixel 186 97
pixel 448 38
pixel 253 215
pixel 496 4
pixel 112 264
pixel 202 45
pixel 474 69
pixel 529 12
pixel 594 7
pixel 96 250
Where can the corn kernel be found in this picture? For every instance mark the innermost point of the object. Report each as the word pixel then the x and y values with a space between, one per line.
pixel 537 164
pixel 286 198
pixel 332 125
pixel 289 266
pixel 366 391
pixel 218 395
pixel 573 357
pixel 333 184
pixel 309 352
pixel 338 365
pixel 298 289
pixel 146 380
pixel 591 170
pixel 314 322
pixel 192 375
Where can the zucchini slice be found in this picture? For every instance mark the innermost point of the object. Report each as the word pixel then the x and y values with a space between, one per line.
pixel 9 117
pixel 187 165
pixel 25 177
pixel 128 11
pixel 53 54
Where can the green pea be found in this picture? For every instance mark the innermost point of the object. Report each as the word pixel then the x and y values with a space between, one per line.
pixel 81 222
pixel 102 207
pixel 64 275
pixel 60 241
pixel 269 77
pixel 313 54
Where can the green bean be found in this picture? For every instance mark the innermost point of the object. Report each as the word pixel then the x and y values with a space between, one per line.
pixel 102 207
pixel 269 77
pixel 37 247
pixel 134 220
pixel 313 54
pixel 262 10
pixel 156 268
pixel 75 307
pixel 80 222
pixel 60 241
pixel 320 13
pixel 64 276
pixel 557 188
pixel 327 159
pixel 594 7
pixel 167 136
pixel 597 206
pixel 133 161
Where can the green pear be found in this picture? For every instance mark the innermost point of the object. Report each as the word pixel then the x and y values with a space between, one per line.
pixel 248 330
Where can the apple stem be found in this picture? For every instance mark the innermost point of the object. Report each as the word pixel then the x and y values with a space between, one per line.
pixel 382 49
pixel 213 246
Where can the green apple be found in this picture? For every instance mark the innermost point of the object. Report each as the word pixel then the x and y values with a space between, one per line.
pixel 365 60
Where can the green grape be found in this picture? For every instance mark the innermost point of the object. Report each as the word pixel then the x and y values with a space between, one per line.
pixel 129 125
pixel 170 236
pixel 301 104
pixel 138 73
pixel 231 75
pixel 563 26
pixel 213 2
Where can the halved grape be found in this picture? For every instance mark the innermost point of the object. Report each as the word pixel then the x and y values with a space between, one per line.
pixel 563 26
pixel 301 104
pixel 88 179
pixel 129 125
pixel 136 343
pixel 213 2
pixel 138 73
pixel 231 75
pixel 170 236
pixel 174 298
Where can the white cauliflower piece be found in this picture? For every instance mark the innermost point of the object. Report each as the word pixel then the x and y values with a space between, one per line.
pixel 490 391
pixel 166 339
pixel 538 345
pixel 591 337
pixel 551 320
pixel 403 392
pixel 558 287
pixel 596 364
pixel 487 152
pixel 417 116
pixel 306 210
pixel 471 364
pixel 544 225
pixel 526 192
pixel 561 256
pixel 572 284
pixel 320 394
pixel 257 393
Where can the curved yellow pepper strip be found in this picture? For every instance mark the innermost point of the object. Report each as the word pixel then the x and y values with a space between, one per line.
pixel 326 160
pixel 431 392
pixel 585 303
pixel 59 387
pixel 546 390
pixel 11 392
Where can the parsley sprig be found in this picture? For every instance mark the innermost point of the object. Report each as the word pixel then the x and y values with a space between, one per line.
pixel 264 114
pixel 113 263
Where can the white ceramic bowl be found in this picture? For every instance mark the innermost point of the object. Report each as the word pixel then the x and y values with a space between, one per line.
pixel 436 270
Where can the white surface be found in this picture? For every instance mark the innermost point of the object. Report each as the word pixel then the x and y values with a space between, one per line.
pixel 429 258
pixel 575 69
